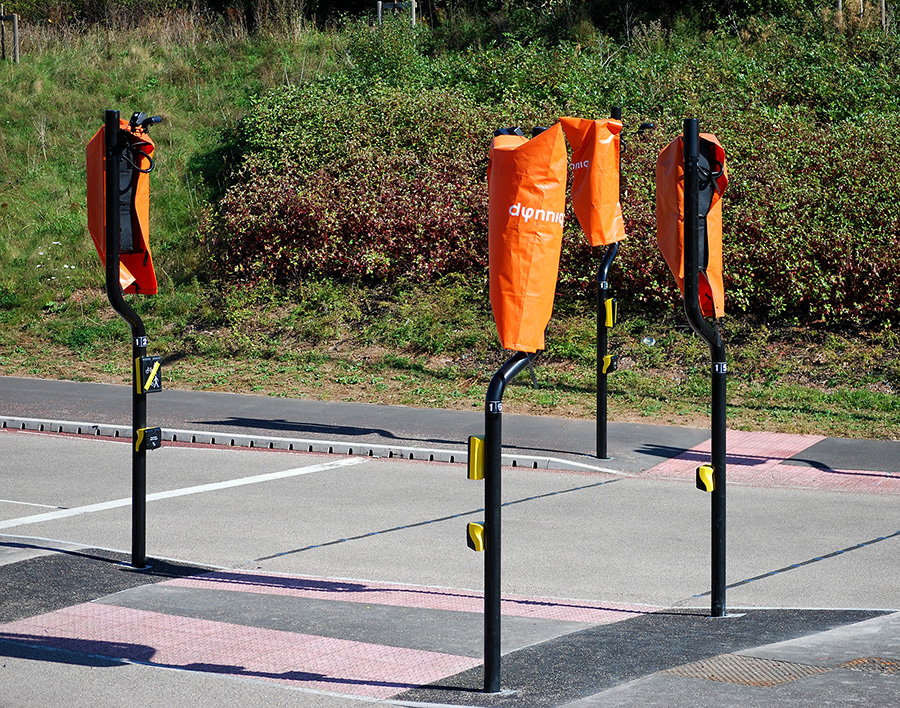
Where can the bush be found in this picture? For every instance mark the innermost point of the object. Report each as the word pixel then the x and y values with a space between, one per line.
pixel 814 223
pixel 361 184
pixel 354 222
pixel 378 172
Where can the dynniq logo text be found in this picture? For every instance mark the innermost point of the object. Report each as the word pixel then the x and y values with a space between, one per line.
pixel 528 213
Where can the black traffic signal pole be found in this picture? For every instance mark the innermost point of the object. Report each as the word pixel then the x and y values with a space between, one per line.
pixel 711 335
pixel 603 333
pixel 603 295
pixel 138 340
pixel 493 450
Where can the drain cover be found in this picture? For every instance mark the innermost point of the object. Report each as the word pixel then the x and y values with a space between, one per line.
pixel 874 665
pixel 745 670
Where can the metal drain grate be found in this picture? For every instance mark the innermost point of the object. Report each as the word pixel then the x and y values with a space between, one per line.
pixel 745 670
pixel 874 665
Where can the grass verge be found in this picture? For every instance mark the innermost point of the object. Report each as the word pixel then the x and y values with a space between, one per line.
pixel 435 346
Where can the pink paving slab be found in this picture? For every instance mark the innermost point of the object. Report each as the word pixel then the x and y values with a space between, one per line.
pixel 409 596
pixel 756 459
pixel 744 450
pixel 320 663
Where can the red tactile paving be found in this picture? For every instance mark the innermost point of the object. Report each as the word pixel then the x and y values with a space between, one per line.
pixel 756 459
pixel 313 662
pixel 302 660
pixel 410 596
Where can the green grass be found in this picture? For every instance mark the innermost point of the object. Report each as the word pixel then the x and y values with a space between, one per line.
pixel 197 78
pixel 387 346
pixel 402 342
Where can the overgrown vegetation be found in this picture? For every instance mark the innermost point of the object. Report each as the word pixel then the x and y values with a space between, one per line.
pixel 378 171
pixel 319 210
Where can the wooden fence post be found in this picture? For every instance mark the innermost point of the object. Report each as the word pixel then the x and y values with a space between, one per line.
pixel 4 18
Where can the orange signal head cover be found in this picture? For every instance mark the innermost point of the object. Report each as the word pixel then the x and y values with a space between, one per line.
pixel 595 178
pixel 526 204
pixel 670 221
pixel 136 274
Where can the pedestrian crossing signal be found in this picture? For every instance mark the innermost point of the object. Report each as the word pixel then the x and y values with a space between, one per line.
pixel 147 376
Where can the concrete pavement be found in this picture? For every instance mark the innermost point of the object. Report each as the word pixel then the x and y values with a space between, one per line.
pixel 296 578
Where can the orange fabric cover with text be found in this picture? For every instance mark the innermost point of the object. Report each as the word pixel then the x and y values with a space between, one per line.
pixel 670 222
pixel 526 205
pixel 136 274
pixel 595 178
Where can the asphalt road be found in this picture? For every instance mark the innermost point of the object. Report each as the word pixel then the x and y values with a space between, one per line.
pixel 578 543
pixel 565 442
pixel 296 578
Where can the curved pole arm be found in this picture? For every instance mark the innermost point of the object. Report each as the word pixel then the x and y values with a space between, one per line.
pixel 606 263
pixel 517 363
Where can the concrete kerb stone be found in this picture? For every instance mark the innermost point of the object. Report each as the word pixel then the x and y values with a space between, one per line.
pixel 333 447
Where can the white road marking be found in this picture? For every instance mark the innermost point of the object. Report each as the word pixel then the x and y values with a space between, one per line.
pixel 43 506
pixel 104 506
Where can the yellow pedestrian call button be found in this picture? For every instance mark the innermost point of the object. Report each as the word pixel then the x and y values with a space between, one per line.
pixel 476 457
pixel 705 475
pixel 475 535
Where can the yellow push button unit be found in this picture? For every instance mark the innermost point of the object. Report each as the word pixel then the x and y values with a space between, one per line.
pixel 475 535
pixel 147 375
pixel 705 476
pixel 476 457
pixel 612 311
pixel 148 439
pixel 610 363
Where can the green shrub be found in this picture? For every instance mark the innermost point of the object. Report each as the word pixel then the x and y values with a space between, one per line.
pixel 376 184
pixel 425 220
pixel 378 172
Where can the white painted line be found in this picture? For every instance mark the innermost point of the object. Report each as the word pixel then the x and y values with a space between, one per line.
pixel 104 506
pixel 592 468
pixel 418 704
pixel 43 506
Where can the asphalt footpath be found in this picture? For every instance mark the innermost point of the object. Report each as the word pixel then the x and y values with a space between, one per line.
pixel 389 431
pixel 305 553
